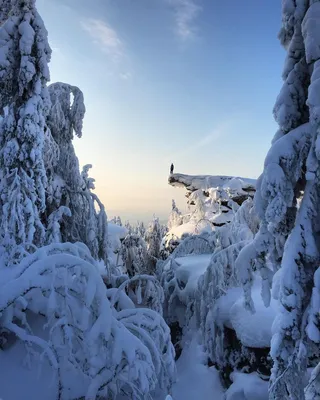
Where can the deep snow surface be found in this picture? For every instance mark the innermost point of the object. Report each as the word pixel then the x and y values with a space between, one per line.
pixel 195 380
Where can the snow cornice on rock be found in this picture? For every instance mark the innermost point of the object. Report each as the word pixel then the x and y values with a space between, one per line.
pixel 206 182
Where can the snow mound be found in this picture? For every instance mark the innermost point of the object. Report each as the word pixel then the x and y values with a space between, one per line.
pixel 247 387
pixel 253 330
pixel 115 230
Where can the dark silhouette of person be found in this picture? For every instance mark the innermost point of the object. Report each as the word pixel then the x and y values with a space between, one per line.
pixel 171 168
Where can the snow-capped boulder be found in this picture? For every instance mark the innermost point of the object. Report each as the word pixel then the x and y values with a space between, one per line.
pixel 205 182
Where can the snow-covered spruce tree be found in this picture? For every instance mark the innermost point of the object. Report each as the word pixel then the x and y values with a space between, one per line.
pixel 97 222
pixel 143 288
pixel 134 255
pixel 153 239
pixel 129 227
pixel 67 186
pixel 288 204
pixel 175 217
pixel 64 120
pixel 5 10
pixel 24 57
pixel 199 212
pixel 141 230
pixel 164 230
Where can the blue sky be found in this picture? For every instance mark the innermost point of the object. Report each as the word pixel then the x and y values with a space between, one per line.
pixel 188 81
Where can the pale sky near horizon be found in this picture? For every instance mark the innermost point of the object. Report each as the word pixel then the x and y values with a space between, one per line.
pixel 186 81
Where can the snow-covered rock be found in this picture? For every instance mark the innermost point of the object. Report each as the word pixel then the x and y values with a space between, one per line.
pixel 212 202
pixel 253 330
pixel 205 182
pixel 115 234
pixel 217 188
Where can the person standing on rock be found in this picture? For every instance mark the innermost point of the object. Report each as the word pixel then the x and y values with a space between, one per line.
pixel 171 169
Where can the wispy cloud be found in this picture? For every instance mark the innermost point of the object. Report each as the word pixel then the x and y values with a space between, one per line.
pixel 205 140
pixel 223 130
pixel 186 13
pixel 105 37
pixel 126 75
pixel 109 42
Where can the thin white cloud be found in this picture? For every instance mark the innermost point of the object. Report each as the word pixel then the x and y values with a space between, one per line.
pixel 186 13
pixel 126 75
pixel 206 140
pixel 223 130
pixel 105 37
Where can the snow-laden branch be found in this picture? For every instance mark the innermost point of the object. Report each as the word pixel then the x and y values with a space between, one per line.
pixel 128 350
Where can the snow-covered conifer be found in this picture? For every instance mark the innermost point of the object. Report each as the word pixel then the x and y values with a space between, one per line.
pixel 65 119
pixel 5 10
pixel 53 232
pixel 141 229
pixel 129 227
pixel 287 202
pixel 199 213
pixel 134 254
pixel 175 217
pixel 153 238
pixel 67 186
pixel 312 391
pixel 24 57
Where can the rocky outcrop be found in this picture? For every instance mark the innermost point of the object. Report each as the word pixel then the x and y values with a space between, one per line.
pixel 235 188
